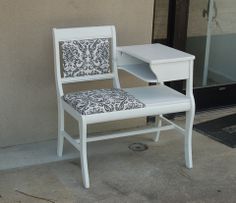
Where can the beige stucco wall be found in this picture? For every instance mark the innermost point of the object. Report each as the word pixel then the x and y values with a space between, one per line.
pixel 28 110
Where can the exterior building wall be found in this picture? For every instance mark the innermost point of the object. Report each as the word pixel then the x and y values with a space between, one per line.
pixel 28 108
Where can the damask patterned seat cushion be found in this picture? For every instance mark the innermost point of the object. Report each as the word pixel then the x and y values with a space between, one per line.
pixel 102 100
pixel 85 57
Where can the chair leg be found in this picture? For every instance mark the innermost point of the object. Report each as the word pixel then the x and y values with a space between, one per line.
pixel 159 123
pixel 83 153
pixel 188 138
pixel 60 140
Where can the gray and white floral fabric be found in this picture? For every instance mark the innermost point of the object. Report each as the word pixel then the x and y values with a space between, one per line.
pixel 102 100
pixel 85 57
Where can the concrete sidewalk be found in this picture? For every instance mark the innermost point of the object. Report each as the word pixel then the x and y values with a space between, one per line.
pixel 121 175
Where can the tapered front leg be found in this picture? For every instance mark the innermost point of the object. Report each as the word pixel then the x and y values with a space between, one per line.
pixel 189 119
pixel 60 139
pixel 188 138
pixel 83 152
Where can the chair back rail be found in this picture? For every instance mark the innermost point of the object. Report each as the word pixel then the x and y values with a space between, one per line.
pixel 84 33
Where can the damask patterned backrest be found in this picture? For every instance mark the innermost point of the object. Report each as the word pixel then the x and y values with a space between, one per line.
pixel 85 54
pixel 85 57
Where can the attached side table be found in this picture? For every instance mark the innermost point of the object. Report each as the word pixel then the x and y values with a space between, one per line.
pixel 156 63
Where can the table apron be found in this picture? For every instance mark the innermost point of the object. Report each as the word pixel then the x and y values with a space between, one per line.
pixel 171 71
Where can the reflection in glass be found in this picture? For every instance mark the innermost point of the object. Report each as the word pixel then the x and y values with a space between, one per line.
pixel 212 39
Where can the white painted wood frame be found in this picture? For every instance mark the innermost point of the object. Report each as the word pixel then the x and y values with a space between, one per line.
pixel 159 100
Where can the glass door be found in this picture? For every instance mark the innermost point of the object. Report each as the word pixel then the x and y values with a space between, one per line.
pixel 211 37
pixel 206 29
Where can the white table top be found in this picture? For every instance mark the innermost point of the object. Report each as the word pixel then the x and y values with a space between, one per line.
pixel 155 53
